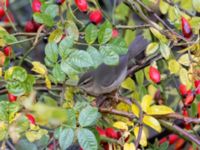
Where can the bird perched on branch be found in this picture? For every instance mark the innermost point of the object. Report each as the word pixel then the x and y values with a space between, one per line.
pixel 105 78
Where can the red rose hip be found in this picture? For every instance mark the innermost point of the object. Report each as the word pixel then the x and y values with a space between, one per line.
pixel 36 5
pixel 154 74
pixel 111 133
pixel 11 97
pixel 31 118
pixel 7 50
pixel 96 16
pixel 115 33
pixel 29 27
pixel 183 89
pixel 82 5
pixel 186 28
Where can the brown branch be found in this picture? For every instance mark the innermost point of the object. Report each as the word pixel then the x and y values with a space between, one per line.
pixel 133 27
pixel 178 116
pixel 176 129
pixel 117 112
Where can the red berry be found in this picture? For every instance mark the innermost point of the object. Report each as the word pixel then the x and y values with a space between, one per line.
pixel 197 85
pixel 179 144
pixel 189 99
pixel 115 33
pixel 11 97
pixel 154 74
pixel 60 2
pixel 36 5
pixel 96 16
pixel 2 12
pixel 31 118
pixel 173 138
pixel 82 5
pixel 111 133
pixel 101 131
pixel 163 140
pixel 7 50
pixel 198 109
pixel 186 28
pixel 183 89
pixel 29 27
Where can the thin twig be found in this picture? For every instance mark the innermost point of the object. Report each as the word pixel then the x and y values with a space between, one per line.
pixel 176 129
pixel 117 112
pixel 133 27
pixel 178 116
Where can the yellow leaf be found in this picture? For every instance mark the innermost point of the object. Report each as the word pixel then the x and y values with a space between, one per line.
pixel 129 146
pixel 135 110
pixel 48 82
pixel 159 110
pixel 120 125
pixel 151 48
pixel 184 78
pixel 158 35
pixel 163 6
pixel 143 140
pixel 146 102
pixel 128 84
pixel 185 59
pixel 152 122
pixel 35 135
pixel 173 66
pixel 39 68
pixel 152 90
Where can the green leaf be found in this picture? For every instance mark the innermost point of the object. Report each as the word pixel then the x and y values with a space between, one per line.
pixel 109 56
pixel 105 32
pixel 139 77
pixel 67 68
pixel 22 144
pixel 52 10
pixel 71 118
pixel 88 116
pixel 130 34
pixel 193 110
pixel 16 73
pixel 72 30
pixel 43 19
pixel 87 139
pixel 121 12
pixel 164 146
pixel 165 50
pixel 65 46
pixel 91 33
pixel 95 55
pixel 51 52
pixel 80 59
pixel 58 74
pixel 15 87
pixel 55 36
pixel 119 46
pixel 66 138
pixel 151 48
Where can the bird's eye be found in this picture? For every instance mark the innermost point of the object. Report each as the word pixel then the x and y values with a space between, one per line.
pixel 86 81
